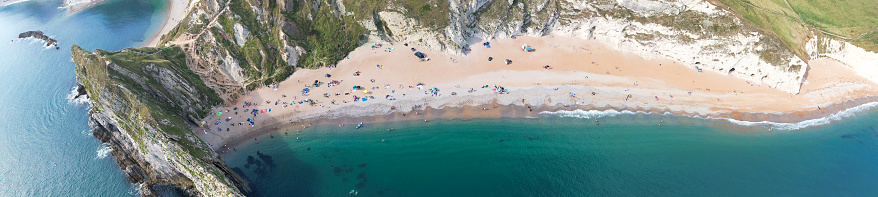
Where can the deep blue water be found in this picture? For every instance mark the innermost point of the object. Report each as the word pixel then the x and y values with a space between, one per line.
pixel 627 155
pixel 40 125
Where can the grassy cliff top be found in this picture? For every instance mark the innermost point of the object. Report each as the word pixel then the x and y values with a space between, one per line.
pixel 152 87
pixel 793 21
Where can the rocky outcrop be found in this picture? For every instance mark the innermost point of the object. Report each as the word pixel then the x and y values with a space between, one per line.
pixel 143 102
pixel 40 36
pixel 136 168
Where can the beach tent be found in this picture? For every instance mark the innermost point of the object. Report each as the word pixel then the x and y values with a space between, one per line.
pixel 527 48
pixel 420 55
pixel 219 113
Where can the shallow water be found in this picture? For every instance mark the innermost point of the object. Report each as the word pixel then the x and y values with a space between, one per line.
pixel 41 125
pixel 627 154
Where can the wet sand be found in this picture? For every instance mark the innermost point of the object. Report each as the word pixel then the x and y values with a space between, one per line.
pixel 176 12
pixel 578 67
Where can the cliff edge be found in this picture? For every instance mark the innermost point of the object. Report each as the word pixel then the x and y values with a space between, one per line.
pixel 143 101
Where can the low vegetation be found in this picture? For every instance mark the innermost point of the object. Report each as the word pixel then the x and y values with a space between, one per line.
pixel 793 21
pixel 326 38
pixel 431 14
pixel 139 89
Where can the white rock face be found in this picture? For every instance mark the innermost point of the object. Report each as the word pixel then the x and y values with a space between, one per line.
pixel 231 67
pixel 241 34
pixel 863 62
pixel 736 54
pixel 406 30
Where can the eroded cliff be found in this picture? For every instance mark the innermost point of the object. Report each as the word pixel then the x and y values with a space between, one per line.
pixel 143 102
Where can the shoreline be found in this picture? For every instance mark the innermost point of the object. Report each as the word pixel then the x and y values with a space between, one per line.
pixel 175 12
pixel 584 74
pixel 516 112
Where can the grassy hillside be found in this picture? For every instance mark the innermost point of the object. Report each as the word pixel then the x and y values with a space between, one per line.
pixel 137 79
pixel 154 98
pixel 792 21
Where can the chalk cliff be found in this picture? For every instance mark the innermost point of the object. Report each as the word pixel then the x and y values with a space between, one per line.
pixel 144 100
pixel 142 104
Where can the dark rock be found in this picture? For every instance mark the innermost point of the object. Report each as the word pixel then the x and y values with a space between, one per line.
pixel 41 36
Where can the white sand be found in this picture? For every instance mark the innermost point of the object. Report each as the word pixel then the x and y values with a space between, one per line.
pixel 612 75
pixel 177 10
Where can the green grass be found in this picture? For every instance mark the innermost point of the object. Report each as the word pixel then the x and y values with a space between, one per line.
pixel 176 32
pixel 328 39
pixel 431 14
pixel 143 102
pixel 848 19
pixel 228 24
pixel 248 18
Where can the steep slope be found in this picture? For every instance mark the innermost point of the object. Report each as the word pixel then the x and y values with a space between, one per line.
pixel 259 42
pixel 142 104
pixel 145 99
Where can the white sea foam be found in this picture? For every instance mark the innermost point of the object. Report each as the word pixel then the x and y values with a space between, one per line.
pixel 43 43
pixel 103 152
pixel 592 114
pixel 14 2
pixel 850 112
pixel 72 99
pixel 134 190
pixel 68 3
pixel 86 132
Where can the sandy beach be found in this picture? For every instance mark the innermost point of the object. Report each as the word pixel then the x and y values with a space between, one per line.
pixel 581 75
pixel 176 12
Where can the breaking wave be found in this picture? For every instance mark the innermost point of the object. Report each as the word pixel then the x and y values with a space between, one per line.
pixel 590 114
pixel 68 3
pixel 32 41
pixel 104 151
pixel 850 112
pixel 72 99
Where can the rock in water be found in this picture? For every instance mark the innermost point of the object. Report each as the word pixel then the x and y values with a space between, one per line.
pixel 40 35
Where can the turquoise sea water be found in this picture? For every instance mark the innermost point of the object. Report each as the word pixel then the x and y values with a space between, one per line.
pixel 626 155
pixel 40 125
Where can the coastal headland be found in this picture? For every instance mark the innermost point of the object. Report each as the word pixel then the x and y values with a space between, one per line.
pixel 559 74
pixel 227 72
